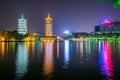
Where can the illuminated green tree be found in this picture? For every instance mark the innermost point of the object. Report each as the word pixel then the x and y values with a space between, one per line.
pixel 117 19
pixel 116 3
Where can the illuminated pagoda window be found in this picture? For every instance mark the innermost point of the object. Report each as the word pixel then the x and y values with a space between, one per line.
pixel 48 26
pixel 22 25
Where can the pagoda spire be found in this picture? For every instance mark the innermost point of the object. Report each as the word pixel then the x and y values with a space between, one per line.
pixel 48 26
pixel 48 15
pixel 22 16
pixel 22 25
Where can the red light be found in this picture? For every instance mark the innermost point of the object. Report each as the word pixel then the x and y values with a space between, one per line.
pixel 107 22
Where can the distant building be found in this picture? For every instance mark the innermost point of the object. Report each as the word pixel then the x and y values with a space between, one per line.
pixel 48 26
pixel 22 26
pixel 78 34
pixel 97 28
pixel 108 27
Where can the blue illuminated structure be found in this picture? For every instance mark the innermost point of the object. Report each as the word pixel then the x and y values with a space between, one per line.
pixel 22 25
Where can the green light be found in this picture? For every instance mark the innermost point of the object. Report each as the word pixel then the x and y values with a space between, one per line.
pixel 14 46
pixel 117 44
pixel 116 3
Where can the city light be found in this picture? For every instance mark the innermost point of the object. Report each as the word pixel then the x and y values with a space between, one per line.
pixel 66 32
pixel 107 22
pixel 105 60
pixel 65 40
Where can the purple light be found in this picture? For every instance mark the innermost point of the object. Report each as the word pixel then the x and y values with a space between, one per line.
pixel 106 60
pixel 102 23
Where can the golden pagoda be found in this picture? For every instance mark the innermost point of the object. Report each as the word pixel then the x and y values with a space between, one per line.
pixel 48 29
pixel 48 26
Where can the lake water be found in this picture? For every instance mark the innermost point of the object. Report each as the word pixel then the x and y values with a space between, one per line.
pixel 60 60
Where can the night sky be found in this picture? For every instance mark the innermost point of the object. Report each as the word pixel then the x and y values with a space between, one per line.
pixel 72 15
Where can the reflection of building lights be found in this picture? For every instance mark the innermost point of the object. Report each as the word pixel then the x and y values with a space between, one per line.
pixel 21 61
pixel 33 48
pixel 77 44
pixel 81 50
pixel 3 49
pixel 105 61
pixel 14 46
pixel 58 49
pixel 119 46
pixel 28 47
pixel 66 54
pixel 41 47
pixel 48 63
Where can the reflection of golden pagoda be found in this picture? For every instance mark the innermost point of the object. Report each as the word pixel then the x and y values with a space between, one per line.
pixel 48 59
pixel 48 29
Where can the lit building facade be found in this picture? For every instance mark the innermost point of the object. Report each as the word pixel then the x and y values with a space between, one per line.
pixel 48 26
pixel 22 26
pixel 108 27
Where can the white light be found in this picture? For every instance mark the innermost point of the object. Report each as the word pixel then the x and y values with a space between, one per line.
pixel 66 32
pixel 21 61
pixel 66 54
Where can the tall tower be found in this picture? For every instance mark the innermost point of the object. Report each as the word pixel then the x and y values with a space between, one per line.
pixel 22 25
pixel 48 26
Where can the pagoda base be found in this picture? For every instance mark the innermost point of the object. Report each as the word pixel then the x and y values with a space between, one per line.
pixel 48 38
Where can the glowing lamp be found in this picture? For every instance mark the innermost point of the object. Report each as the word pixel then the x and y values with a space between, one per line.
pixel 66 32
pixel 102 23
